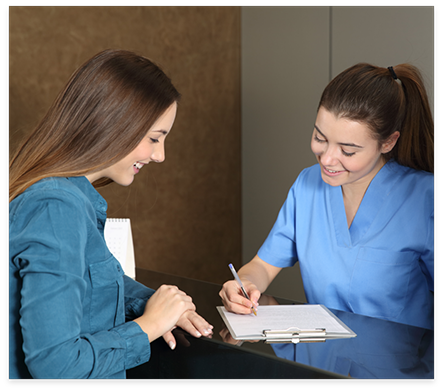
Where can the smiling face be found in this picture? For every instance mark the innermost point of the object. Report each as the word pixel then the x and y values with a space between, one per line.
pixel 150 149
pixel 347 152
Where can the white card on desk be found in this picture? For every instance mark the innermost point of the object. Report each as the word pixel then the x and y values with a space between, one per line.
pixel 118 237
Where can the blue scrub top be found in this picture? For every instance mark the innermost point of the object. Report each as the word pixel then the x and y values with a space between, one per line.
pixel 383 265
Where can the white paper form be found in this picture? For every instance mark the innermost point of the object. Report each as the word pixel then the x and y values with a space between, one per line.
pixel 282 317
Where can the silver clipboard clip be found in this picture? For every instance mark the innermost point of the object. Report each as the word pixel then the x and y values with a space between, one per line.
pixel 294 335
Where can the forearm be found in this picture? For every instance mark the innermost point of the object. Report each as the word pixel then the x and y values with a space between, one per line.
pixel 136 296
pixel 258 272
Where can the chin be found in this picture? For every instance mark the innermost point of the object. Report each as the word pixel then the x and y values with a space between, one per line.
pixel 330 182
pixel 125 183
pixel 337 180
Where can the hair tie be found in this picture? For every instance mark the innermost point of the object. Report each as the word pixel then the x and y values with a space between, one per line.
pixel 393 73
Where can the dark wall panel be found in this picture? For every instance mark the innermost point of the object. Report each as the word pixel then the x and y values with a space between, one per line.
pixel 186 212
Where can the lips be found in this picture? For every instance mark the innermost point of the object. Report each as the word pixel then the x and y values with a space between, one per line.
pixel 137 166
pixel 332 172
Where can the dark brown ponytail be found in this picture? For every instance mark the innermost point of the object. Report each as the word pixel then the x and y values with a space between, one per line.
pixel 387 100
pixel 415 147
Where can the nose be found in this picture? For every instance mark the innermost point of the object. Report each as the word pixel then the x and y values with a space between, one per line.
pixel 158 155
pixel 328 157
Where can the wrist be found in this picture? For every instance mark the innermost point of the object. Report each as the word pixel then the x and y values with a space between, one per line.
pixel 149 328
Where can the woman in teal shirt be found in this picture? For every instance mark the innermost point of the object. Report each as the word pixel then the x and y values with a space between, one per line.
pixel 360 222
pixel 72 312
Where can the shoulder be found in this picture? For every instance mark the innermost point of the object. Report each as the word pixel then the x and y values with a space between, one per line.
pixel 49 192
pixel 409 172
pixel 52 188
pixel 410 187
pixel 414 181
pixel 309 178
pixel 311 174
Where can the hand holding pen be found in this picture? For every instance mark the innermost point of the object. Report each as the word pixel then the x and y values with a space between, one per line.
pixel 237 278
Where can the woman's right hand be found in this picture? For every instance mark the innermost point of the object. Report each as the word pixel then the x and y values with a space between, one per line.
pixel 163 310
pixel 234 300
pixel 255 276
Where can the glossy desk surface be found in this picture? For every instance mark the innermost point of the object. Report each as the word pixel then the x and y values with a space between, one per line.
pixel 382 349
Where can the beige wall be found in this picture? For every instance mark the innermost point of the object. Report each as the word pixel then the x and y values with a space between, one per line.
pixel 384 36
pixel 185 213
pixel 284 69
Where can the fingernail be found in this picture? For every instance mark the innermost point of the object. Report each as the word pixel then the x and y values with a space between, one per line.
pixel 172 345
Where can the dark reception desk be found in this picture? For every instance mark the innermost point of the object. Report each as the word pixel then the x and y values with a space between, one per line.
pixel 382 349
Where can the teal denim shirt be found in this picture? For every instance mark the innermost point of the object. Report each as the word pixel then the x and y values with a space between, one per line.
pixel 70 304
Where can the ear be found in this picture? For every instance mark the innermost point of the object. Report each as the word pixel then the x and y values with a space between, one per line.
pixel 390 142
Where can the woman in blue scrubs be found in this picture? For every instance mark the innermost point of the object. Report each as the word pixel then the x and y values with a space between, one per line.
pixel 361 221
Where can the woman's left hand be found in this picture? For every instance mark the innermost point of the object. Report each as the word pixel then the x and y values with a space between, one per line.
pixel 191 322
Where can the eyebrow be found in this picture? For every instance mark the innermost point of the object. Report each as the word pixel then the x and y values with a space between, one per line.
pixel 344 144
pixel 161 131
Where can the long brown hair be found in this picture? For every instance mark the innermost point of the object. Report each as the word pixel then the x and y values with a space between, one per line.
pixel 101 115
pixel 387 101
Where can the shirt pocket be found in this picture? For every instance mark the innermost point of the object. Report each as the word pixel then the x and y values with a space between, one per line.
pixel 107 297
pixel 380 282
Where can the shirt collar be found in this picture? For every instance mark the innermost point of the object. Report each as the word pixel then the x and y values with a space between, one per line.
pixel 97 201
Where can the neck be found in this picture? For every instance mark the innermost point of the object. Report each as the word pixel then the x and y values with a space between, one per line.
pixel 353 194
pixel 356 190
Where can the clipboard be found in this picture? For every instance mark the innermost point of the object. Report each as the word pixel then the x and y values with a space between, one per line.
pixel 286 324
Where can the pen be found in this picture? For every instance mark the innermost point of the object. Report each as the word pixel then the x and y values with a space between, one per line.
pixel 234 273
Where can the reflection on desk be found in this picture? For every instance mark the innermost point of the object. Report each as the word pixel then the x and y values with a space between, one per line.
pixel 382 349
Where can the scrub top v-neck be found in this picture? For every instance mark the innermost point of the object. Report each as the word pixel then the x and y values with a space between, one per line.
pixel 382 265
